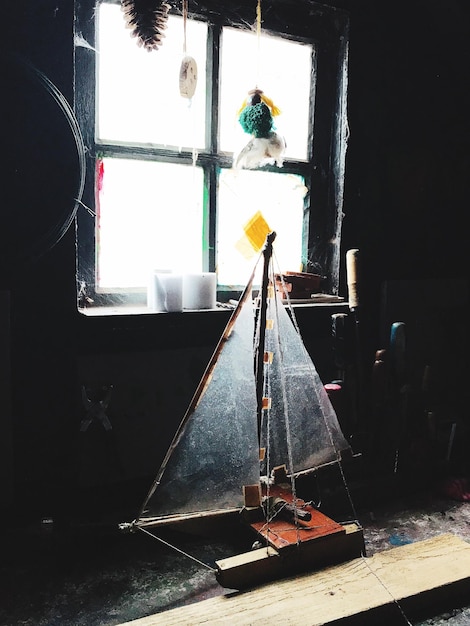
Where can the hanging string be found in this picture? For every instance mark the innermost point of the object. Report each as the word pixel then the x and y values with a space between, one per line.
pixel 185 20
pixel 258 41
pixel 187 90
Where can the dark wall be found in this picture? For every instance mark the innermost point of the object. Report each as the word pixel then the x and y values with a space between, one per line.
pixel 407 161
pixel 41 282
pixel 407 186
pixel 405 202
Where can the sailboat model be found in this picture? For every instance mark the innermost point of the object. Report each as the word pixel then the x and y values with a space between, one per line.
pixel 259 419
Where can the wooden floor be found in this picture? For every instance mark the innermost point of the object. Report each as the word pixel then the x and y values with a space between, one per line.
pixel 390 587
pixel 89 574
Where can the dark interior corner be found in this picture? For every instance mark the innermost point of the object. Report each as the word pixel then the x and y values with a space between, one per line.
pixel 406 195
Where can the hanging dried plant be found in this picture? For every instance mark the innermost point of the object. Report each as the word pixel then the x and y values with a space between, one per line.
pixel 147 20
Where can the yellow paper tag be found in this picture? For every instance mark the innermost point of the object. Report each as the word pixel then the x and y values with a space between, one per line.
pixel 256 231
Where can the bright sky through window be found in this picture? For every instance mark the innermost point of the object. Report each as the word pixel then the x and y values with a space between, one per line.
pixel 138 95
pixel 152 214
pixel 281 69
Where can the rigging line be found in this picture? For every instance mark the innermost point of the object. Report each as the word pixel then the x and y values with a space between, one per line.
pixel 260 346
pixel 340 465
pixel 330 435
pixel 169 545
pixel 284 400
pixel 275 336
pixel 267 419
pixel 387 590
pixel 346 487
pixel 328 429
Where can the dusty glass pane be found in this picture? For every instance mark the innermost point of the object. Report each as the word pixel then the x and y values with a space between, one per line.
pixel 138 91
pixel 282 69
pixel 149 217
pixel 280 198
pixel 217 450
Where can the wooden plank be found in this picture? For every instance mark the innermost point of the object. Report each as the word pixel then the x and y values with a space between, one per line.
pixel 359 592
pixel 261 566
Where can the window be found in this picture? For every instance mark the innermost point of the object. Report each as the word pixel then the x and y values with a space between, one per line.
pixel 161 189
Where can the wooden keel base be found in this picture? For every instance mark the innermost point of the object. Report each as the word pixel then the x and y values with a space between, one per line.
pixel 266 564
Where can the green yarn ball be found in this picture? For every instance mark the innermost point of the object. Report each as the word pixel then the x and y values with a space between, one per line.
pixel 256 120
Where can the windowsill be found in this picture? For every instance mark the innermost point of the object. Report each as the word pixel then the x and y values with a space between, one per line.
pixel 98 311
pixel 321 300
pixel 135 328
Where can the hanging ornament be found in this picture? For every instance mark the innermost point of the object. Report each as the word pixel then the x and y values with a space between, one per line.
pixel 266 147
pixel 188 77
pixel 188 69
pixel 147 20
pixel 256 114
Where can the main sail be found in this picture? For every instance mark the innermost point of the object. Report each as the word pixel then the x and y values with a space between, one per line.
pixel 299 427
pixel 216 449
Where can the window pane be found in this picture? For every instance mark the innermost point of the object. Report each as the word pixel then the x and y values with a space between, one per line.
pixel 280 198
pixel 138 91
pixel 282 69
pixel 150 217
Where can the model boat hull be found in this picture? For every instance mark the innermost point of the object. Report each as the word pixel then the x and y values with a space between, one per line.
pixel 297 539
pixel 266 564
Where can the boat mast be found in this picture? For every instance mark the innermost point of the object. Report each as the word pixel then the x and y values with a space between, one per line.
pixel 259 354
